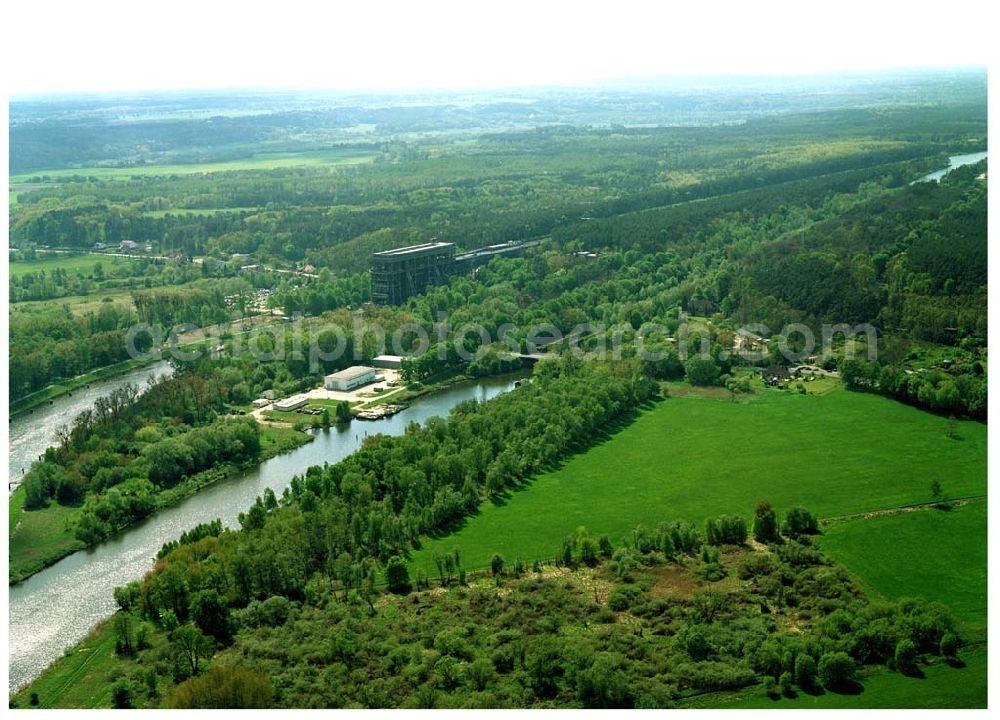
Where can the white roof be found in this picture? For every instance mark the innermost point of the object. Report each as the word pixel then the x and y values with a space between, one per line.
pixel 350 373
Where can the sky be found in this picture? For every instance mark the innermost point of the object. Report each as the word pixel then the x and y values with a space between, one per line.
pixel 112 45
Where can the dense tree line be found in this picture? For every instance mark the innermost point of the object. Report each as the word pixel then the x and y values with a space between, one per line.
pixel 54 343
pixel 597 634
pixel 959 390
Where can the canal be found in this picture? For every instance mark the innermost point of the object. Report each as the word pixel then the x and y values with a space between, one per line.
pixel 57 607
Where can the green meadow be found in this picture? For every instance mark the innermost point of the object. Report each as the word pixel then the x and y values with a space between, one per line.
pixel 940 687
pixel 840 454
pixel 701 455
pixel 38 537
pixel 256 161
pixel 929 553
pixel 81 264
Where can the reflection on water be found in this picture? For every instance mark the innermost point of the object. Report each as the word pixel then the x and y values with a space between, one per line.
pixel 34 430
pixel 57 607
pixel 955 161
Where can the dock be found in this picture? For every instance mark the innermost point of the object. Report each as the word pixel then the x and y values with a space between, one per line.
pixel 380 411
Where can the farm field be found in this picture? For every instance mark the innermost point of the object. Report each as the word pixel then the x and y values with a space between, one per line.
pixel 835 454
pixel 257 161
pixel 948 547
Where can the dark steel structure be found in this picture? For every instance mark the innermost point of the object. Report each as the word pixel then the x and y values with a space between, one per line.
pixel 398 274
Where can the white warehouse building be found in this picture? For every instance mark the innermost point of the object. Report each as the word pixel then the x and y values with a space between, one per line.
pixel 350 378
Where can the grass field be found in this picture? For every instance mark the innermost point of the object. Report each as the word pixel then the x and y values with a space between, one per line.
pixel 942 687
pixel 258 161
pixel 82 304
pixel 38 537
pixel 930 553
pixel 695 456
pixel 836 452
pixel 81 264
pixel 79 679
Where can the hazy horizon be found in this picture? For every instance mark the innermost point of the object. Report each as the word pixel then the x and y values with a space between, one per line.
pixel 108 47
pixel 627 83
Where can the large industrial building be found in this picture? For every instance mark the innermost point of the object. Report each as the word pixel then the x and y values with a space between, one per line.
pixel 398 274
pixel 350 378
pixel 393 362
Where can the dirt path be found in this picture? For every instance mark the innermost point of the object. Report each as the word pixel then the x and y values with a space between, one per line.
pixel 871 515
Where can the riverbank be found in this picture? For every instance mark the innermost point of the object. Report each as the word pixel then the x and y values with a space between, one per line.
pixel 186 343
pixel 417 389
pixel 40 538
pixel 60 605
pixel 40 397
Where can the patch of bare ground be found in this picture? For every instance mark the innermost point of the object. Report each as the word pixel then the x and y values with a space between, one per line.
pixel 673 581
pixel 715 393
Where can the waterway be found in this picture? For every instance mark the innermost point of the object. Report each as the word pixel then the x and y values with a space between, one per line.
pixel 57 607
pixel 955 161
pixel 32 431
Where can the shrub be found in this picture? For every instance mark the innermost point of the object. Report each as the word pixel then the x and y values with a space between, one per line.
pixel 799 555
pixel 836 671
pixel 726 530
pixel 710 676
pixel 480 673
pixel 949 645
pixel 786 684
pixel 223 687
pixel 756 565
pixel 623 597
pixel 604 545
pixel 800 521
pixel 694 642
pixel 765 523
pixel 604 684
pixel 701 370
pixel 805 671
pixel 397 576
pixel 906 655
pixel 710 572
pixel 121 694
